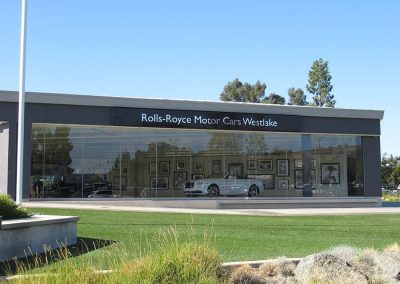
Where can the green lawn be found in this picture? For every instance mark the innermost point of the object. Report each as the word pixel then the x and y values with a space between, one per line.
pixel 243 237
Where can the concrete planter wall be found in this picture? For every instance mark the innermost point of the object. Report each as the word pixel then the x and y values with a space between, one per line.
pixel 23 237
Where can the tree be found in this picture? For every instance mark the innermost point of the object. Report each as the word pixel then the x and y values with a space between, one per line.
pixel 51 148
pixel 319 84
pixel 297 97
pixel 274 99
pixel 237 91
pixel 396 176
pixel 390 170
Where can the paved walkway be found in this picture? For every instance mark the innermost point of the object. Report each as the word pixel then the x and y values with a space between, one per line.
pixel 89 205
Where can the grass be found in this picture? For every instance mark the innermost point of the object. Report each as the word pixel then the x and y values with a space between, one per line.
pixel 241 237
pixel 167 259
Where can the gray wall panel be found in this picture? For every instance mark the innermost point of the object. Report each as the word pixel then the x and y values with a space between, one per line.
pixel 372 166
pixel 341 125
pixel 8 112
pixel 78 115
pixel 4 134
pixel 12 158
pixel 191 105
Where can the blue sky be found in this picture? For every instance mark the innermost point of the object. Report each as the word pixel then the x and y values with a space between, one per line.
pixel 191 49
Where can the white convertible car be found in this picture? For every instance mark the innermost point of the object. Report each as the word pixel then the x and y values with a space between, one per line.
pixel 228 186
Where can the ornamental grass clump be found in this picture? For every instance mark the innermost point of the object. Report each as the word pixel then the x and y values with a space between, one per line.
pixel 173 260
pixel 9 209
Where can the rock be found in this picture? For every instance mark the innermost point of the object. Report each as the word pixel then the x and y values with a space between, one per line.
pixel 326 268
pixel 280 267
pixel 246 274
pixel 377 265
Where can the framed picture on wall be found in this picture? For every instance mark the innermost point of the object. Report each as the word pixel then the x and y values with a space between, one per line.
pixel 197 176
pixel 298 164
pixel 179 180
pixel 198 167
pixel 282 167
pixel 159 183
pixel 330 173
pixel 180 165
pixel 216 166
pixel 268 181
pixel 236 169
pixel 283 184
pixel 251 164
pixel 265 165
pixel 298 177
pixel 153 167
pixel 164 168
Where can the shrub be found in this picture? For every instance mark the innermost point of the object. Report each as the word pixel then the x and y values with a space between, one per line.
pixel 390 197
pixel 9 209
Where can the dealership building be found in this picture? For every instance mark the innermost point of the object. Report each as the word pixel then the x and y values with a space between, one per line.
pixel 137 148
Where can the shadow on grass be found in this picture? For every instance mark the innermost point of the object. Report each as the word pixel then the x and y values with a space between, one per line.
pixel 83 246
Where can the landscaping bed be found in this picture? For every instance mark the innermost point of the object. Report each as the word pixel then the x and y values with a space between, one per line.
pixel 140 237
pixel 171 259
pixel 23 234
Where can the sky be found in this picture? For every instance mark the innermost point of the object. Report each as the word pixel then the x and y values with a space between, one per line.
pixel 191 49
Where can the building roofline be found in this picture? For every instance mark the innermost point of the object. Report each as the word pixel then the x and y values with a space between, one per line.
pixel 198 105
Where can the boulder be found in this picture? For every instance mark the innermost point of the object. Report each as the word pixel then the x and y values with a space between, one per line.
pixel 377 265
pixel 326 268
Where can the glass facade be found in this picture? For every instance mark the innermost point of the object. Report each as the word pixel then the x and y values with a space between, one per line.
pixel 105 161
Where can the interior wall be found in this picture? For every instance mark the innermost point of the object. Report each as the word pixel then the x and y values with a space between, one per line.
pixel 4 137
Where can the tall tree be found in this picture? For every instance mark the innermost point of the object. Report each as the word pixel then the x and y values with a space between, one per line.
pixel 297 97
pixel 319 84
pixel 274 99
pixel 243 92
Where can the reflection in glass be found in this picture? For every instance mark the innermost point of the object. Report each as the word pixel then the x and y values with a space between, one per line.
pixel 103 161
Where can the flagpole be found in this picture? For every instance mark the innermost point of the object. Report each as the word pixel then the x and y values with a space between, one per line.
pixel 21 108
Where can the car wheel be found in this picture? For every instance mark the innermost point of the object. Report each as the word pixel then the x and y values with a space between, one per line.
pixel 213 190
pixel 253 191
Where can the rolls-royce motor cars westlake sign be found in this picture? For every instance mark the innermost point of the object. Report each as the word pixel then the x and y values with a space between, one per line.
pixel 204 120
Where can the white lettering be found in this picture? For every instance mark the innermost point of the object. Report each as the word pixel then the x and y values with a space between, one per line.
pixel 199 119
pixel 203 120
pixel 262 122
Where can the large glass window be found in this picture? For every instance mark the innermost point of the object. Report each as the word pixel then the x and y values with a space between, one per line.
pixel 104 161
